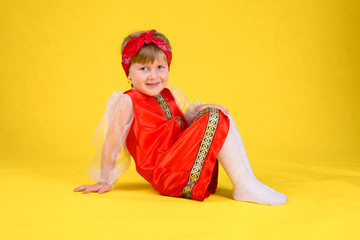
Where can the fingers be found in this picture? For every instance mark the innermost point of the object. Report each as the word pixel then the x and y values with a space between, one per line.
pixel 97 188
pixel 93 188
pixel 225 110
pixel 86 188
pixel 81 188
pixel 221 108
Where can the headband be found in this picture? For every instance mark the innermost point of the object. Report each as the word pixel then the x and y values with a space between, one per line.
pixel 136 43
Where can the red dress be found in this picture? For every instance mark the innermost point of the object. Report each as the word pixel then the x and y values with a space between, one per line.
pixel 176 159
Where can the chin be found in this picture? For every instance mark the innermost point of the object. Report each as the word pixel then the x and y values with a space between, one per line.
pixel 152 92
pixel 156 91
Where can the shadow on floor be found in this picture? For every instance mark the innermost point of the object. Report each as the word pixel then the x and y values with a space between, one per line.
pixel 224 192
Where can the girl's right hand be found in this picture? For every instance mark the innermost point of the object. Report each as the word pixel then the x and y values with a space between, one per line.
pixel 98 187
pixel 217 106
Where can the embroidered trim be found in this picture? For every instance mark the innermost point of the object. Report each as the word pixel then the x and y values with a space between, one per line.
pixel 166 109
pixel 208 137
pixel 199 115
pixel 164 106
pixel 179 120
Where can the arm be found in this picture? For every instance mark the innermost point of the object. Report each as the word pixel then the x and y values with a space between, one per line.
pixel 119 118
pixel 112 157
pixel 189 109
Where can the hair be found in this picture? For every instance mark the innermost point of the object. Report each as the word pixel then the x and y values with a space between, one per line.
pixel 148 52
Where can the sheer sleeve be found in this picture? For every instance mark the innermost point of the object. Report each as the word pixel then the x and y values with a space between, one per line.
pixel 186 106
pixel 112 158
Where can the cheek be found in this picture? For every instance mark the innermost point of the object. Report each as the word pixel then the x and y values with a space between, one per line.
pixel 137 76
pixel 165 76
pixel 131 71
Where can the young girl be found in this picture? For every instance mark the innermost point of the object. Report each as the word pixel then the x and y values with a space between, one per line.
pixel 176 152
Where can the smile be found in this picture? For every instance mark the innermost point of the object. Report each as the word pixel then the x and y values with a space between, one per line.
pixel 152 84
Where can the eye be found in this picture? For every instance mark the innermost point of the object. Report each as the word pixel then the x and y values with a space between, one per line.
pixel 143 68
pixel 160 67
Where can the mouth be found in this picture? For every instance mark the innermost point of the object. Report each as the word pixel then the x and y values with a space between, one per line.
pixel 152 84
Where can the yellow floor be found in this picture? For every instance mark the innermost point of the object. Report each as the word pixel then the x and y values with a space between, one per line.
pixel 38 202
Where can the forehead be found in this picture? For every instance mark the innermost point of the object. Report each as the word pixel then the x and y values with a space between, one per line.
pixel 158 60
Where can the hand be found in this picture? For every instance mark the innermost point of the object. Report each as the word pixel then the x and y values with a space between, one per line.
pixel 98 187
pixel 221 108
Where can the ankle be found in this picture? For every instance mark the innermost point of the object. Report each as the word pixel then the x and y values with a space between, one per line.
pixel 244 185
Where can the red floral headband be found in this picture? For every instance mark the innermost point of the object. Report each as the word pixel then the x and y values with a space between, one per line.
pixel 136 43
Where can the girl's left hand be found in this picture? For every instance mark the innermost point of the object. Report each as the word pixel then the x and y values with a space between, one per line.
pixel 220 107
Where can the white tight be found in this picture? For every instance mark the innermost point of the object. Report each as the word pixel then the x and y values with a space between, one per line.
pixel 246 187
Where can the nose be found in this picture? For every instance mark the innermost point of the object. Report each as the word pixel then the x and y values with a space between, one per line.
pixel 152 74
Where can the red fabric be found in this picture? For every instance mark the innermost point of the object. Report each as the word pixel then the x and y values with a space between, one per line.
pixel 164 151
pixel 136 43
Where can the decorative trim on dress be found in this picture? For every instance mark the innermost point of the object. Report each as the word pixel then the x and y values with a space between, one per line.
pixel 200 114
pixel 179 120
pixel 212 123
pixel 164 106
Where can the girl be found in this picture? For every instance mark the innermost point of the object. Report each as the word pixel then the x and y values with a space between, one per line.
pixel 176 153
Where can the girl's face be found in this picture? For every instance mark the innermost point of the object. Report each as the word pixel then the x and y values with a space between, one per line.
pixel 149 78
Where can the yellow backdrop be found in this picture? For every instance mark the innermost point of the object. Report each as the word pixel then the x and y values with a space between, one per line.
pixel 288 71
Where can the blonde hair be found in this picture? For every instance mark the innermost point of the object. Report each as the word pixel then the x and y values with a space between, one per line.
pixel 148 52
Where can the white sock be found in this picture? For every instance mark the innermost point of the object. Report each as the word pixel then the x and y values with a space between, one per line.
pixel 246 187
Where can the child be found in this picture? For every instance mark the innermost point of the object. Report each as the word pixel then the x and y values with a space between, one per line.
pixel 176 153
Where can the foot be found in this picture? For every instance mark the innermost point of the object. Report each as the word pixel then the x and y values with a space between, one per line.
pixel 259 193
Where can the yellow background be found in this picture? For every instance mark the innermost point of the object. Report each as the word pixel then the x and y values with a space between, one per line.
pixel 288 71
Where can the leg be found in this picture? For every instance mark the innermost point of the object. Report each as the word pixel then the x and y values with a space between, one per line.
pixel 246 187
